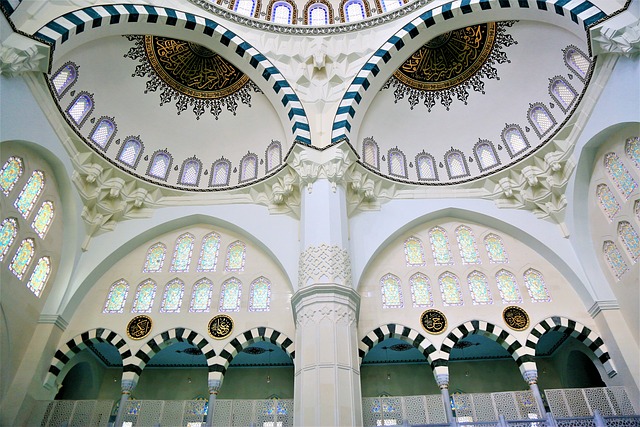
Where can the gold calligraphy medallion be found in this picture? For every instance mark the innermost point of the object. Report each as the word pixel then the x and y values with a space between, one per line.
pixel 433 321
pixel 516 318
pixel 220 326
pixel 139 327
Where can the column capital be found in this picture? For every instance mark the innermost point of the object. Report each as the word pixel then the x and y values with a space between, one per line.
pixel 340 303
pixel 127 386
pixel 530 376
pixel 214 386
pixel 443 381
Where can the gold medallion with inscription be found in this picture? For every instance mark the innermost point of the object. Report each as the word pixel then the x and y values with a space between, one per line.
pixel 220 326
pixel 433 321
pixel 139 327
pixel 516 318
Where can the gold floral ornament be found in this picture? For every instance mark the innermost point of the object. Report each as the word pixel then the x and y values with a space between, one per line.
pixel 515 318
pixel 139 327
pixel 220 326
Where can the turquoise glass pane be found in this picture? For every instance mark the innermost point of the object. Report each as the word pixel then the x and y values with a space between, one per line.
pixel 391 292
pixel 39 276
pixel 8 232
pixel 32 189
pixel 607 201
pixel 144 298
pixel 43 219
pixel 260 295
pixel 620 175
pixel 235 257
pixel 629 237
pixel 467 245
pixel 508 287
pixel 479 288
pixel 182 254
pixel 201 298
pixel 22 258
pixel 536 286
pixel 117 297
pixel 495 249
pixel 440 246
pixel 155 258
pixel 421 291
pixel 172 299
pixel 11 172
pixel 230 295
pixel 414 253
pixel 450 289
pixel 209 253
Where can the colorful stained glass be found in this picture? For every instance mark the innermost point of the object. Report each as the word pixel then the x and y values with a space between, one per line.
pixel 391 292
pixel 421 290
pixel 495 249
pixel 10 173
pixel 535 285
pixel 30 193
pixel 40 275
pixel 230 295
pixel 145 294
pixel 43 219
pixel 155 258
pixel 117 297
pixel 22 258
pixel 260 295
pixel 413 251
pixel 508 287
pixel 209 252
pixel 182 253
pixel 632 149
pixel 201 296
pixel 614 259
pixel 8 232
pixel 636 209
pixel 479 288
pixel 172 298
pixel 440 246
pixel 607 201
pixel 236 253
pixel 467 244
pixel 450 289
pixel 629 237
pixel 620 175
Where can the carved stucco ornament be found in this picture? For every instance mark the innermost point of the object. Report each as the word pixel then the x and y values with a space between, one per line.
pixel 20 54
pixel 618 35
pixel 324 263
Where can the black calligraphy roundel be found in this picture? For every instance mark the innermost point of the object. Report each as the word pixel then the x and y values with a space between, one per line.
pixel 433 321
pixel 220 326
pixel 516 318
pixel 139 327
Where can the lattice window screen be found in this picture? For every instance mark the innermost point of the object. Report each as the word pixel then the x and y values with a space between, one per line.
pixel 435 409
pixel 483 406
pixel 415 410
pixel 506 405
pixel 222 413
pixel 577 403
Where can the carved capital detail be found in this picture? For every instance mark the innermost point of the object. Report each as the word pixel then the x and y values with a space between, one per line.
pixel 214 386
pixel 324 263
pixel 442 380
pixel 615 37
pixel 530 376
pixel 20 54
pixel 127 386
pixel 339 315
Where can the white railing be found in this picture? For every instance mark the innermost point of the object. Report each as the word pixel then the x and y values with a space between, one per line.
pixel 71 413
pixel 190 413
pixel 261 413
pixel 582 402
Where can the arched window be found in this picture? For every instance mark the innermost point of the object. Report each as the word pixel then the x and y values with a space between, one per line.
pixel 614 259
pixel 467 245
pixel 535 285
pixel 155 258
pixel 236 253
pixel 172 298
pixel 282 12
pixel 426 166
pixel 273 155
pixel 318 14
pixel 354 10
pixel 620 175
pixel 414 251
pixel 495 249
pixel 130 152
pixel 421 290
pixel 201 296
pixel 145 294
pixel 160 165
pixel 117 297
pixel 209 252
pixel 230 295
pixel 29 194
pixel 607 201
pixel 39 277
pixel 43 219
pixel 562 92
pixel 577 61
pixel 260 295
pixel 391 291
pixel 80 108
pixel 64 78
pixel 514 140
pixel 508 287
pixel 440 246
pixel 190 173
pixel 389 5
pixel 220 173
pixel 632 150
pixel 182 253
pixel 450 289
pixel 541 119
pixel 8 233
pixel 485 155
pixel 245 7
pixel 456 164
pixel 103 133
pixel 479 288
pixel 397 163
pixel 22 258
pixel 630 240
pixel 10 174
pixel 370 153
pixel 636 209
pixel 248 167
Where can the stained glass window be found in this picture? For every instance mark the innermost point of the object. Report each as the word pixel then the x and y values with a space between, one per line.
pixel 274 155
pixel 8 233
pixel 440 246
pixel 260 295
pixel 562 92
pixel 22 258
pixel 209 252
pixel 244 7
pixel 450 289
pixel 249 167
pixel 63 79
pixel 318 15
pixel 220 173
pixel 103 132
pixel 145 294
pixel 456 165
pixel 117 297
pixel 190 172
pixel 172 298
pixel 230 295
pixel 155 258
pixel 391 292
pixel 201 296
pixel 514 140
pixel 413 251
pixel 495 249
pixel 80 108
pixel 508 287
pixel 426 166
pixel 160 164
pixel 182 253
pixel 130 152
pixel 370 153
pixel 577 61
pixel 636 209
pixel 421 290
pixel 535 285
pixel 467 244
pixel 40 275
pixel 30 193
pixel 389 5
pixel 397 163
pixel 630 239
pixel 282 13
pixel 607 201
pixel 541 119
pixel 486 155
pixel 614 258
pixel 236 253
pixel 479 288
pixel 632 150
pixel 11 172
pixel 354 10
pixel 620 175
pixel 43 219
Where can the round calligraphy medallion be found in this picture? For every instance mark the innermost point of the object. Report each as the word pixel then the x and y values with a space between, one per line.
pixel 433 321
pixel 220 326
pixel 139 327
pixel 516 318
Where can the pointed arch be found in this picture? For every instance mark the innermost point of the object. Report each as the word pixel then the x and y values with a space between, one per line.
pixel 160 165
pixel 401 332
pixel 103 132
pixel 190 172
pixel 10 174
pixel 64 78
